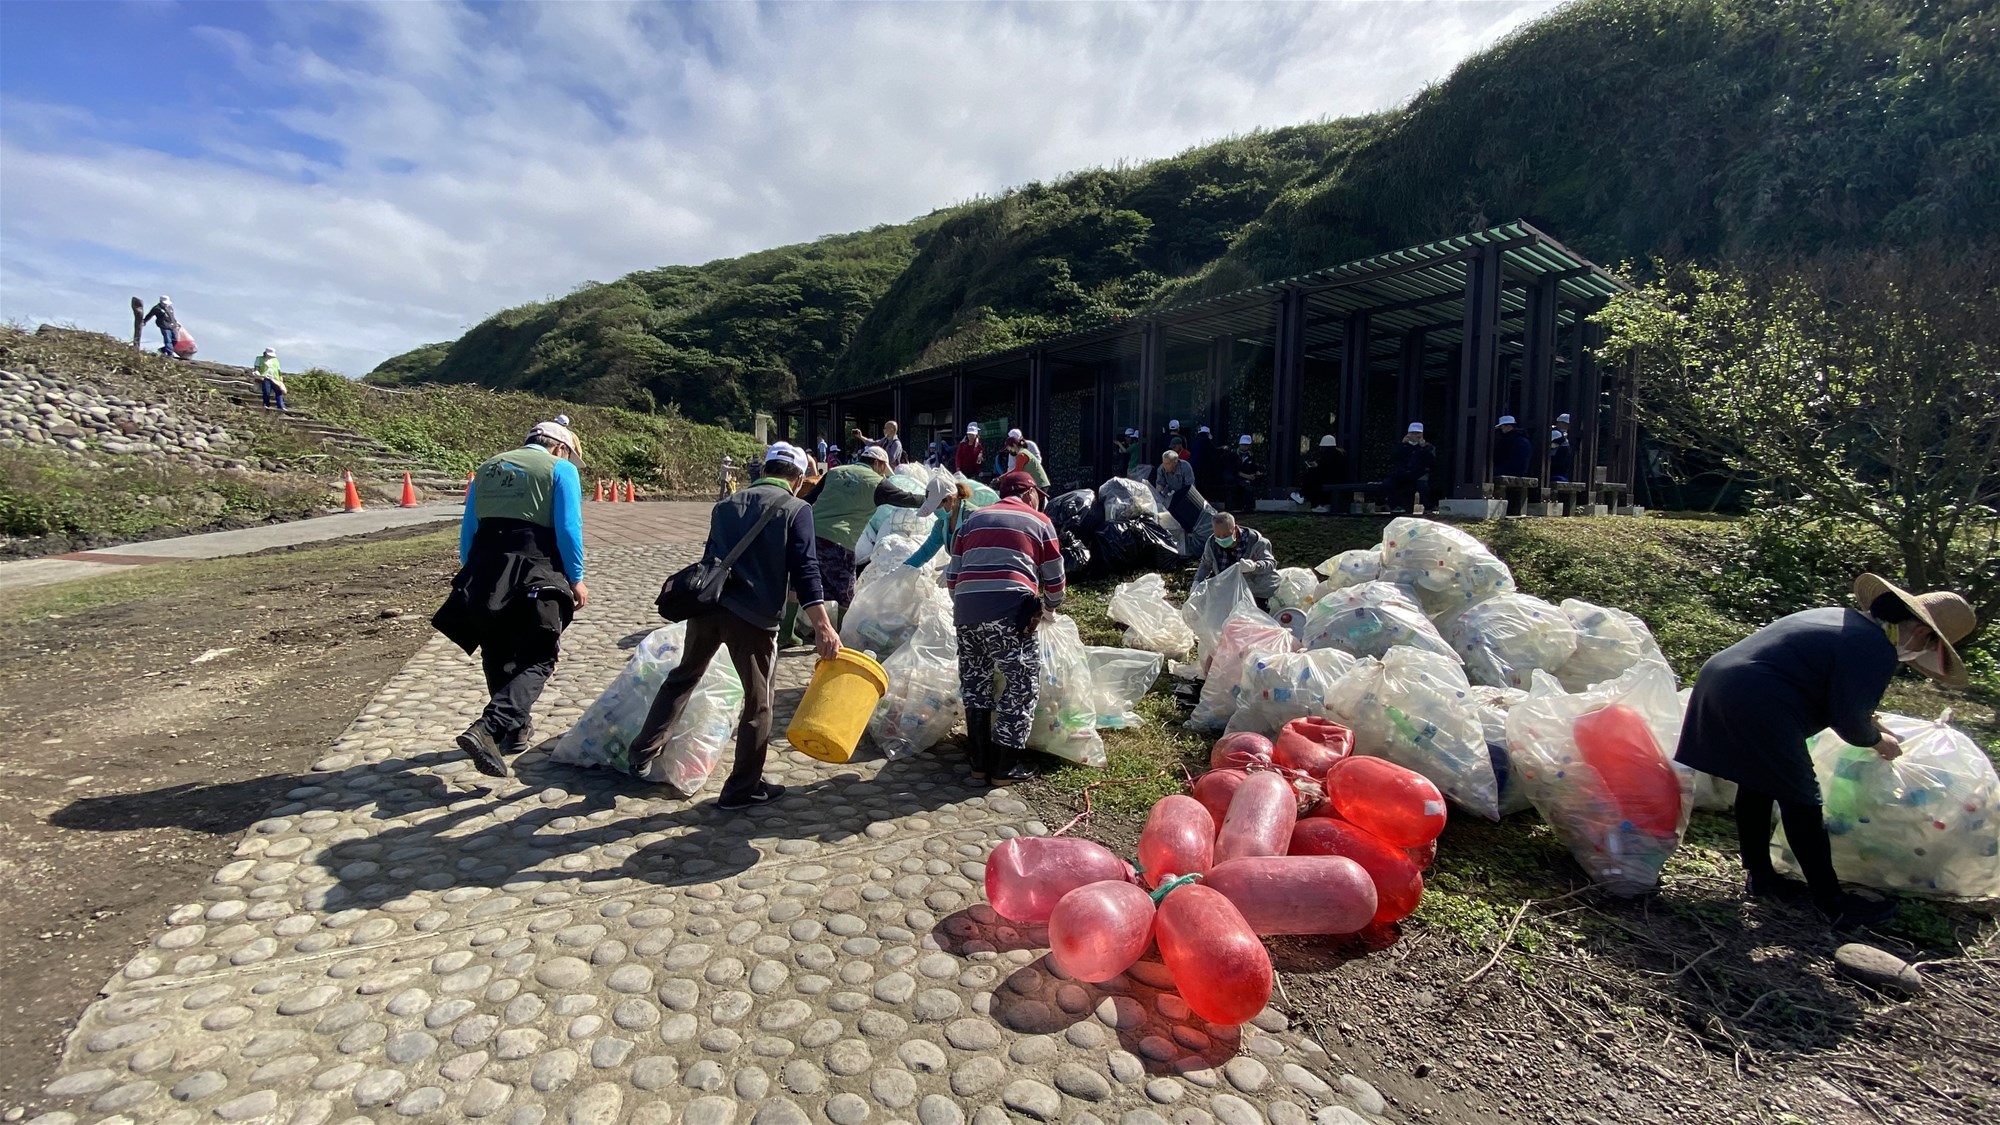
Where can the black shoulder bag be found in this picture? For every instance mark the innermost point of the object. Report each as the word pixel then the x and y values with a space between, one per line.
pixel 698 588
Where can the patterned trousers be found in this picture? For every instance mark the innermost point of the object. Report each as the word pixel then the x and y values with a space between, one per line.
pixel 998 647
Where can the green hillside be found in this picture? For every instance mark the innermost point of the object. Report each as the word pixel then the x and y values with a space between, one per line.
pixel 1628 128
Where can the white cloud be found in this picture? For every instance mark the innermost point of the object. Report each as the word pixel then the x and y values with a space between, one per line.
pixel 549 145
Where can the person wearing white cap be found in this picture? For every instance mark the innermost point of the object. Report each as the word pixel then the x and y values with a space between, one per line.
pixel 1513 450
pixel 1327 470
pixel 725 477
pixel 779 555
pixel 1128 455
pixel 270 381
pixel 162 314
pixel 970 453
pixel 1249 474
pixel 1410 465
pixel 1023 456
pixel 1562 452
pixel 520 581
pixel 843 502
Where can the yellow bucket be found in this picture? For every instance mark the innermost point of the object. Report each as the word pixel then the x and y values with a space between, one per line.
pixel 834 713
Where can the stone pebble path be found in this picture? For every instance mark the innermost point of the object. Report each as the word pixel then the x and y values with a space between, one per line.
pixel 406 940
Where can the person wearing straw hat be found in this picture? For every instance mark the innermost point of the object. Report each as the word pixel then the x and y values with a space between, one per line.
pixel 1757 702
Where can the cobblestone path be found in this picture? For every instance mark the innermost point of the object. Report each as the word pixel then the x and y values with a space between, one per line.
pixel 405 940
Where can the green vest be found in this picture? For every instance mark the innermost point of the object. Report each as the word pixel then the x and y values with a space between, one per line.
pixel 519 484
pixel 846 502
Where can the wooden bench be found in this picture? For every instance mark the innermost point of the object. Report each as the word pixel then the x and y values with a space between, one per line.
pixel 1567 493
pixel 1517 491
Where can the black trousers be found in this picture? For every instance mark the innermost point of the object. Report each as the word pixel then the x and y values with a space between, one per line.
pixel 754 652
pixel 516 673
pixel 1805 831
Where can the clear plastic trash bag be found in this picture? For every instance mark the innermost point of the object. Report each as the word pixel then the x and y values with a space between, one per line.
pixel 1277 687
pixel 1370 619
pixel 1448 568
pixel 602 738
pixel 1247 633
pixel 1211 604
pixel 1414 708
pixel 1151 622
pixel 1297 588
pixel 1352 568
pixel 1622 816
pixel 1925 824
pixel 1608 642
pixel 1493 703
pixel 1066 711
pixel 923 703
pixel 1121 497
pixel 1120 678
pixel 887 611
pixel 1506 638
pixel 889 554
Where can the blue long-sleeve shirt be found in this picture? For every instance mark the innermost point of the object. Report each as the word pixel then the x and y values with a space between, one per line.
pixel 566 514
pixel 942 529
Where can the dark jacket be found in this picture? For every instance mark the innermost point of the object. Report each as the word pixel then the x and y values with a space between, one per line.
pixel 1513 453
pixel 1757 701
pixel 1412 460
pixel 1207 463
pixel 1260 569
pixel 782 555
pixel 511 590
pixel 1562 459
pixel 1329 467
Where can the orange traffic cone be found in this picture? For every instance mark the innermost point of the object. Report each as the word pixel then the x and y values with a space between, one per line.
pixel 599 498
pixel 630 495
pixel 352 501
pixel 409 492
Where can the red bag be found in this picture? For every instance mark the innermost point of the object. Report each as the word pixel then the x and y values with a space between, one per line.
pixel 183 343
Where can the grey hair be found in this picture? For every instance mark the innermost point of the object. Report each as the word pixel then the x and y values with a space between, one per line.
pixel 1223 517
pixel 1170 455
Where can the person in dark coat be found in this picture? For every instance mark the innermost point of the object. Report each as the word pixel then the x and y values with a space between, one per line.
pixel 1410 466
pixel 1562 451
pixel 1207 459
pixel 1327 470
pixel 519 583
pixel 1513 452
pixel 1757 702
pixel 1248 476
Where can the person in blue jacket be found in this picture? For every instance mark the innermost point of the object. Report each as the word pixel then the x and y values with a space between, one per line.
pixel 520 581
pixel 952 501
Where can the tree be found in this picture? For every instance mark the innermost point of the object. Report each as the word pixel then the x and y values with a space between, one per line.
pixel 1861 387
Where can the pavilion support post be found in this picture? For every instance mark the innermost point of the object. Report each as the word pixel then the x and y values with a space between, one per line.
pixel 1478 378
pixel 1353 383
pixel 1220 353
pixel 961 407
pixel 1104 428
pixel 1288 374
pixel 1152 382
pixel 1409 384
pixel 1584 398
pixel 1622 458
pixel 837 423
pixel 1538 371
pixel 1036 425
pixel 899 404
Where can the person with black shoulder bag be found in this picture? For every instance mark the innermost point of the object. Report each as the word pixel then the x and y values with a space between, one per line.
pixel 760 540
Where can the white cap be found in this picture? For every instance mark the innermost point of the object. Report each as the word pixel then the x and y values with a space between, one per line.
pixel 1130 432
pixel 1555 433
pixel 1416 428
pixel 972 427
pixel 1244 440
pixel 873 453
pixel 1013 435
pixel 728 460
pixel 1505 420
pixel 1327 441
pixel 562 419
pixel 1174 424
pixel 789 453
pixel 273 353
pixel 1203 430
pixel 559 432
pixel 1563 418
pixel 166 300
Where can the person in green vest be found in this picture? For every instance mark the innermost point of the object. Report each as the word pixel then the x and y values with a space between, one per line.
pixel 520 581
pixel 842 503
pixel 270 381
pixel 1024 456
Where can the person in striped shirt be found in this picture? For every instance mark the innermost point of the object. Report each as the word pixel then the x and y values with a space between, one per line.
pixel 1005 575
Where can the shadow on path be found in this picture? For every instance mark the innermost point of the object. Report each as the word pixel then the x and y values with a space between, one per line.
pixel 215 809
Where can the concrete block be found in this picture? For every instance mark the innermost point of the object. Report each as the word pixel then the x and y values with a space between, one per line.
pixel 1473 509
pixel 1544 510
pixel 1593 509
pixel 1634 510
pixel 1280 506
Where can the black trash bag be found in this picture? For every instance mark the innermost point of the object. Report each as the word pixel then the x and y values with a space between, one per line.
pixel 1076 553
pixel 1075 511
pixel 1136 543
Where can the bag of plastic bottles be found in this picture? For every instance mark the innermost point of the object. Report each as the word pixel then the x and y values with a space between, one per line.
pixel 1211 604
pixel 1277 687
pixel 892 548
pixel 1413 707
pixel 1244 637
pixel 923 703
pixel 1927 823
pixel 1492 704
pixel 1504 639
pixel 1066 711
pixel 1448 568
pixel 1369 620
pixel 1151 622
pixel 1597 767
pixel 1608 642
pixel 888 610
pixel 1120 677
pixel 602 738
pixel 1296 586
pixel 1351 568
pixel 1122 498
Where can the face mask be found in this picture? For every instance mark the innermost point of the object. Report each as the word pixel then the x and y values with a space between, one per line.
pixel 1225 544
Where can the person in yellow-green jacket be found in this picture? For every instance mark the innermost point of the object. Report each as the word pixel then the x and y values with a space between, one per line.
pixel 270 381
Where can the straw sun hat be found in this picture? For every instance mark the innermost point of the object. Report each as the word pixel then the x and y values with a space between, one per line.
pixel 1949 617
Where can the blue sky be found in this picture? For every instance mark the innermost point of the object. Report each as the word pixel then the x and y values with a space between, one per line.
pixel 347 181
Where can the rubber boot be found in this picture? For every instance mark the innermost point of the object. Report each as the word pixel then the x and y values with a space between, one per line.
pixel 979 742
pixel 1005 765
pixel 787 628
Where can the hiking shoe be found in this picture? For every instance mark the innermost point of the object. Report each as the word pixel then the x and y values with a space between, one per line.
pixel 1298 497
pixel 1778 887
pixel 1851 911
pixel 764 794
pixel 514 742
pixel 478 744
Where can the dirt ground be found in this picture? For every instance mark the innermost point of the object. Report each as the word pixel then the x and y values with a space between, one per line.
pixel 153 715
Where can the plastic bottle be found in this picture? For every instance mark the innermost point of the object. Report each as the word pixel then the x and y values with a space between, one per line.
pixel 1215 789
pixel 1178 839
pixel 1398 884
pixel 1260 818
pixel 1399 805
pixel 1311 745
pixel 1617 743
pixel 1236 751
pixel 1027 875
pixel 1098 930
pixel 1219 964
pixel 1297 894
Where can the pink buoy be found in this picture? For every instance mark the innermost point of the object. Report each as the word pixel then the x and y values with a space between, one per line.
pixel 1297 894
pixel 1399 886
pixel 1260 818
pixel 1219 964
pixel 1397 804
pixel 1311 745
pixel 1027 875
pixel 1240 750
pixel 1097 931
pixel 1178 839
pixel 1215 789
